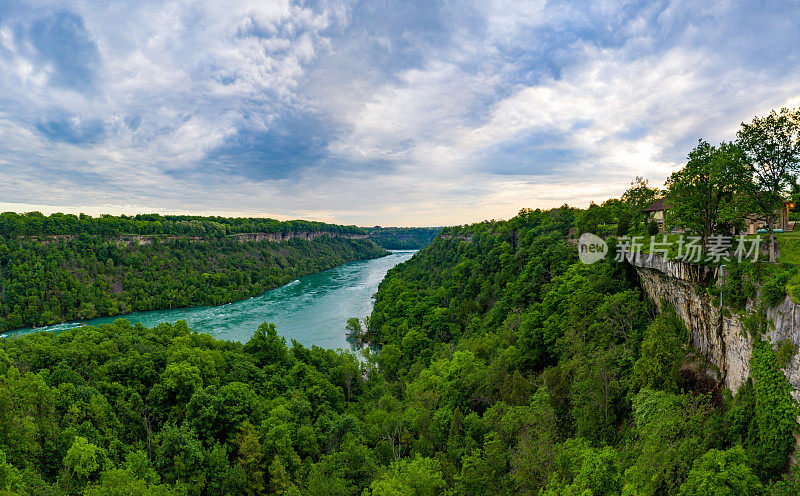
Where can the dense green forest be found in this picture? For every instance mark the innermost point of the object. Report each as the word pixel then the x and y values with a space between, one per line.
pixel 36 224
pixel 506 367
pixel 402 238
pixel 80 276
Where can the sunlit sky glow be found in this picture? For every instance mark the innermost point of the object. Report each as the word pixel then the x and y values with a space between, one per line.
pixel 378 112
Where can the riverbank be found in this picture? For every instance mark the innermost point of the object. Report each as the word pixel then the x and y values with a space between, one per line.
pixel 312 309
pixel 88 277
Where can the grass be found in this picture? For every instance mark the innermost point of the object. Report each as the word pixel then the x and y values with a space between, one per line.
pixel 789 243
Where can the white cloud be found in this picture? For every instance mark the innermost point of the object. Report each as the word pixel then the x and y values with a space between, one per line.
pixel 463 127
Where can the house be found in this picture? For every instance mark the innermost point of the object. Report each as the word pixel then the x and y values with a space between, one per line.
pixel 752 223
pixel 656 212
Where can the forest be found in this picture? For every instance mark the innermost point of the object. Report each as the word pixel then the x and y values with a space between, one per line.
pixel 46 281
pixel 36 224
pixel 402 238
pixel 502 365
pixel 506 367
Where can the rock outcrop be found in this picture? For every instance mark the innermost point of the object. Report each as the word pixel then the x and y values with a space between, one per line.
pixel 718 335
pixel 279 237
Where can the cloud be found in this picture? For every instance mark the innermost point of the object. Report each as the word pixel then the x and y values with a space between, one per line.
pixel 63 43
pixel 387 112
pixel 72 130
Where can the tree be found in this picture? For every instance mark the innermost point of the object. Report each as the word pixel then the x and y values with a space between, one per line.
pixel 118 482
pixel 251 459
pixel 417 477
pixel 638 197
pixel 354 330
pixel 537 429
pixel 722 473
pixel 10 477
pixel 83 458
pixel 662 354
pixel 279 481
pixel 772 147
pixel 707 193
pixel 267 346
pixel 584 471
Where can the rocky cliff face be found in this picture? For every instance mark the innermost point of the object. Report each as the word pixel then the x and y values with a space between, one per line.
pixel 278 237
pixel 722 339
pixel 144 239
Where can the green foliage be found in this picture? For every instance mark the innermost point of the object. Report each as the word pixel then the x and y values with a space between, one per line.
pixel 722 473
pixel 707 196
pixel 773 289
pixel 10 477
pixel 402 238
pixel 58 224
pixel 786 351
pixel 505 367
pixel 662 353
pixel 669 437
pixel 417 477
pixel 583 470
pixel 638 197
pixel 775 414
pixel 771 145
pixel 83 458
pixel 81 277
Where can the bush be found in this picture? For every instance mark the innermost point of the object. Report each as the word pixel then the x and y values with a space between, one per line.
pixel 773 290
pixel 652 228
pixel 786 350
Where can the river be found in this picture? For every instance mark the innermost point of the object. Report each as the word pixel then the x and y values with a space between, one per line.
pixel 313 309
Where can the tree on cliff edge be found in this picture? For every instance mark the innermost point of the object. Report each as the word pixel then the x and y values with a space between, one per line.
pixel 705 196
pixel 772 147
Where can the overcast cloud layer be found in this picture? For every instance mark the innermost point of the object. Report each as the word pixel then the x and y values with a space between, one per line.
pixel 378 112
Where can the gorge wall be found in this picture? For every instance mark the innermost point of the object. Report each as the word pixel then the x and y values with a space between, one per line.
pixel 718 335
pixel 144 239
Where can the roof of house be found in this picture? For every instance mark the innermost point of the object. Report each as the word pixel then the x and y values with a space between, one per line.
pixel 657 205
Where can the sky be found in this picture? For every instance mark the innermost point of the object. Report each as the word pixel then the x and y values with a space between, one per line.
pixel 383 112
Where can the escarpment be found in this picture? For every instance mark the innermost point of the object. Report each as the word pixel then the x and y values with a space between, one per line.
pixel 716 332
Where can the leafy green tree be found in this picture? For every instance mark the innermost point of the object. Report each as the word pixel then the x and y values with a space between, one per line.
pixel 537 431
pixel 772 147
pixel 722 473
pixel 669 436
pixel 596 395
pixel 267 346
pixel 122 482
pixel 582 470
pixel 638 197
pixel 417 477
pixel 251 459
pixel 10 477
pixel 709 194
pixel 279 481
pixel 661 355
pixel 83 459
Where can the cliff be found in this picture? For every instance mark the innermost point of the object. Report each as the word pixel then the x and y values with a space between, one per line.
pixel 719 336
pixel 278 237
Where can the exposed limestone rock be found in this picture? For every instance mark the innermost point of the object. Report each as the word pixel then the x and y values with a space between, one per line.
pixel 722 339
pixel 279 237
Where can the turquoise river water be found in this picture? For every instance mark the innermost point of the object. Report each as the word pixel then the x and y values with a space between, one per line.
pixel 313 309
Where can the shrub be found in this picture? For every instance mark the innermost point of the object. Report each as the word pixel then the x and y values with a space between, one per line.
pixel 786 350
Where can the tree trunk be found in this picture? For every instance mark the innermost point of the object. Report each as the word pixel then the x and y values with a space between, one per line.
pixel 771 240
